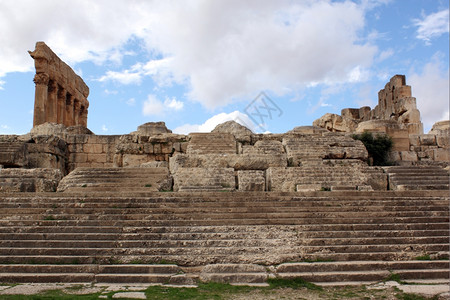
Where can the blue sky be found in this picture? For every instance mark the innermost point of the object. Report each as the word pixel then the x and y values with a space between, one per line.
pixel 272 65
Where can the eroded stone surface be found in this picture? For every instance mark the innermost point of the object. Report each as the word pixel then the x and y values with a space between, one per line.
pixel 60 95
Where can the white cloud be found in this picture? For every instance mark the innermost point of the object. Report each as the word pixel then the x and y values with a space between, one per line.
pixel 157 69
pixel 104 128
pixel 2 82
pixel 173 104
pixel 215 120
pixel 431 89
pixel 154 106
pixel 432 26
pixel 232 50
pixel 221 50
pixel 131 102
pixel 385 54
pixel 124 77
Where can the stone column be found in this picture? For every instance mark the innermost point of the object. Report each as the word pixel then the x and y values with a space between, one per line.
pixel 68 117
pixel 52 102
pixel 84 115
pixel 76 112
pixel 61 105
pixel 40 98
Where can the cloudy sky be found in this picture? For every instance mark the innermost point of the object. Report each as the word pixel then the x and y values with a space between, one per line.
pixel 271 65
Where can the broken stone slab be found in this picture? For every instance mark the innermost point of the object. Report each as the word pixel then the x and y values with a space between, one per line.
pixel 241 133
pixel 204 177
pixel 152 128
pixel 29 180
pixel 251 180
pixel 235 161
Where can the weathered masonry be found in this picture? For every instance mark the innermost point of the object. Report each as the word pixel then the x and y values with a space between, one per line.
pixel 60 95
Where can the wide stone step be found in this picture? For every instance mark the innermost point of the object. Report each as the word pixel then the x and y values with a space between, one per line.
pixel 229 221
pixel 218 234
pixel 235 209
pixel 223 250
pixel 360 266
pixel 88 273
pixel 367 276
pixel 407 187
pixel 195 259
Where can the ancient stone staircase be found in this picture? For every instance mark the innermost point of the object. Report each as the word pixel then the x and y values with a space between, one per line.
pixel 127 237
pixel 418 178
pixel 116 179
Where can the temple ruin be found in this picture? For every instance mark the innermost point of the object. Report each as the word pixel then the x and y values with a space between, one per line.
pixel 60 95
pixel 229 205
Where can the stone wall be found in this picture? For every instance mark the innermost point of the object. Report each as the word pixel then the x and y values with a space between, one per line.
pixel 60 95
pixel 397 116
pixel 396 108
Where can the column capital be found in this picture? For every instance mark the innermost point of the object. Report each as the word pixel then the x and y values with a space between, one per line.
pixel 41 78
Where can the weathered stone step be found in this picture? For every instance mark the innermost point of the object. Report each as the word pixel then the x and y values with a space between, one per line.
pixel 370 276
pixel 218 233
pixel 267 242
pixel 207 258
pixel 302 267
pixel 406 187
pixel 222 215
pixel 91 268
pixel 88 273
pixel 244 242
pixel 235 209
pixel 223 250
pixel 169 202
pixel 230 221
pixel 306 228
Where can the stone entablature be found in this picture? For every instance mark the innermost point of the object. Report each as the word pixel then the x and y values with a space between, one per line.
pixel 60 95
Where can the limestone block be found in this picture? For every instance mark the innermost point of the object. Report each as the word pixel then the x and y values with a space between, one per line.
pixel 264 147
pixel 414 140
pixel 251 180
pixel 394 156
pixel 29 180
pixel 408 156
pixel 93 148
pixel 350 113
pixel 212 143
pixel 308 187
pixel 442 154
pixel 402 92
pixel 441 128
pixel 209 178
pixel 443 141
pixel 427 140
pixel 152 128
pixel 134 160
pixel 238 162
pixel 155 164
pixel 258 161
pixel 336 123
pixel 241 133
pixel 13 154
pixel 97 158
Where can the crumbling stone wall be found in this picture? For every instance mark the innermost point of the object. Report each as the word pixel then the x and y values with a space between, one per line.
pixel 395 106
pixel 60 95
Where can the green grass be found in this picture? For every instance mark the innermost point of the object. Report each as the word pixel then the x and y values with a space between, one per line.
pixel 148 185
pixel 394 277
pixel 294 283
pixel 424 257
pixel 210 290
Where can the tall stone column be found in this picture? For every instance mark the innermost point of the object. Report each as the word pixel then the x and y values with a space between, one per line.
pixel 52 103
pixel 76 112
pixel 40 98
pixel 68 117
pixel 84 115
pixel 61 105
